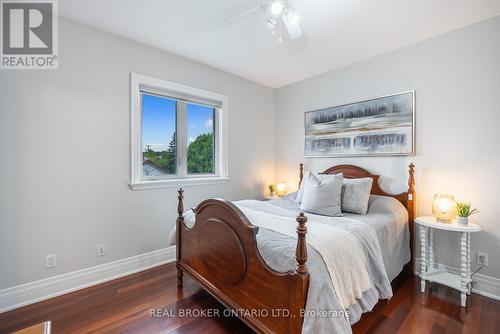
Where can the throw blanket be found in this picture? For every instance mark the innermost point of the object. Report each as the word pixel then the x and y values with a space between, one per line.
pixel 341 251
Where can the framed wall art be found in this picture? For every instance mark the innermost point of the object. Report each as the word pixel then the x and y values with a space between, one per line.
pixel 376 127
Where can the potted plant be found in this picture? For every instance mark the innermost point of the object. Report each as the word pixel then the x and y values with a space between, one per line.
pixel 464 211
pixel 272 190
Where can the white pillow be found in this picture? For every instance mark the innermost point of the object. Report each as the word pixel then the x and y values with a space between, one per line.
pixel 320 177
pixel 323 197
pixel 355 195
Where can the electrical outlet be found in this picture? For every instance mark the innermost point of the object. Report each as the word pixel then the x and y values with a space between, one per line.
pixel 50 261
pixel 101 250
pixel 482 258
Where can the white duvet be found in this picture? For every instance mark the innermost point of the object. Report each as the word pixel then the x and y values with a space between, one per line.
pixel 341 251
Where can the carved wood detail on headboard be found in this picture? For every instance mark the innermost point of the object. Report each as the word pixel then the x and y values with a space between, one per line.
pixel 355 172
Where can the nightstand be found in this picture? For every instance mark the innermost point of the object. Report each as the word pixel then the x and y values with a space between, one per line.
pixel 462 281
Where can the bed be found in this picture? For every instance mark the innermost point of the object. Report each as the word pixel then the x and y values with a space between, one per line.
pixel 274 279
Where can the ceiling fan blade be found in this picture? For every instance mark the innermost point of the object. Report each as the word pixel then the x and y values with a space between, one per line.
pixel 294 30
pixel 244 14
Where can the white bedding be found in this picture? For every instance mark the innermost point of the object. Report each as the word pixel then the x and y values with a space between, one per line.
pixel 344 258
pixel 390 220
pixel 385 214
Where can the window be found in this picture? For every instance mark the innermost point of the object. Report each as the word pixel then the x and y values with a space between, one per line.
pixel 179 135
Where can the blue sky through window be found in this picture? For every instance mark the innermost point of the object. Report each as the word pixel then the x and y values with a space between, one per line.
pixel 158 121
pixel 199 120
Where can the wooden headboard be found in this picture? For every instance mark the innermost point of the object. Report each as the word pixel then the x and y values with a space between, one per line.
pixel 406 198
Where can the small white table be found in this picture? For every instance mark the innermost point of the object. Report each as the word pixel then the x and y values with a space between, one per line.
pixel 462 281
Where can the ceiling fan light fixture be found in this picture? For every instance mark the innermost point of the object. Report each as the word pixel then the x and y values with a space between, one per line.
pixel 293 18
pixel 281 18
pixel 271 24
pixel 277 8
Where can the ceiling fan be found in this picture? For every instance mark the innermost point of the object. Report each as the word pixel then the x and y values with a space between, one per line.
pixel 281 17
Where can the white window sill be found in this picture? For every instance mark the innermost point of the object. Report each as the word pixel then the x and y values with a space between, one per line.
pixel 175 183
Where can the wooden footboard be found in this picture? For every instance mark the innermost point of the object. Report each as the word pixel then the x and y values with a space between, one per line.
pixel 220 252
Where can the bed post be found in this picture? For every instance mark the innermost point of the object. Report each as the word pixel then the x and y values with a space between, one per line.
pixel 411 212
pixel 179 222
pixel 301 251
pixel 301 173
pixel 411 190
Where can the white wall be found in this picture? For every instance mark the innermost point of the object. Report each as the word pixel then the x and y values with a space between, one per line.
pixel 65 148
pixel 457 81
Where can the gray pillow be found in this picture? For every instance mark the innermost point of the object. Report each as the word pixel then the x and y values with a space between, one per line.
pixel 300 192
pixel 322 197
pixel 355 195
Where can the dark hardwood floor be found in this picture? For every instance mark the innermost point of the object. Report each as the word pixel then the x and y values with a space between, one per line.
pixel 124 306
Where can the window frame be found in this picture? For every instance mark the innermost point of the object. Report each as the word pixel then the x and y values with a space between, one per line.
pixel 141 83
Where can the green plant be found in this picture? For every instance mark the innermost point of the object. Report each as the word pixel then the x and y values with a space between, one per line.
pixel 200 155
pixel 272 188
pixel 464 210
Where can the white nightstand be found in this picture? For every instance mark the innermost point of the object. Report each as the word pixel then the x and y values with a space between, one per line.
pixel 460 282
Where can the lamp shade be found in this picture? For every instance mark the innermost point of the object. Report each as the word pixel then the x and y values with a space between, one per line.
pixel 281 188
pixel 444 207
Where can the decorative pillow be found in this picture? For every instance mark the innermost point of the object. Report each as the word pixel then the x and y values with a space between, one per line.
pixel 320 177
pixel 355 195
pixel 300 193
pixel 323 197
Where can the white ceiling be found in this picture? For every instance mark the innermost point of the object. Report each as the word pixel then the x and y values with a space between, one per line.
pixel 336 32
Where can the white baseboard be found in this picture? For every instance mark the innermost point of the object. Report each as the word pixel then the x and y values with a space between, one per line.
pixel 33 292
pixel 484 285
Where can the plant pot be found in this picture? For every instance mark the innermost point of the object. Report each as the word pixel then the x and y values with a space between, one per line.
pixel 272 194
pixel 463 220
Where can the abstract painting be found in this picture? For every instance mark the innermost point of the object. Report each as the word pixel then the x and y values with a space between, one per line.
pixel 381 126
